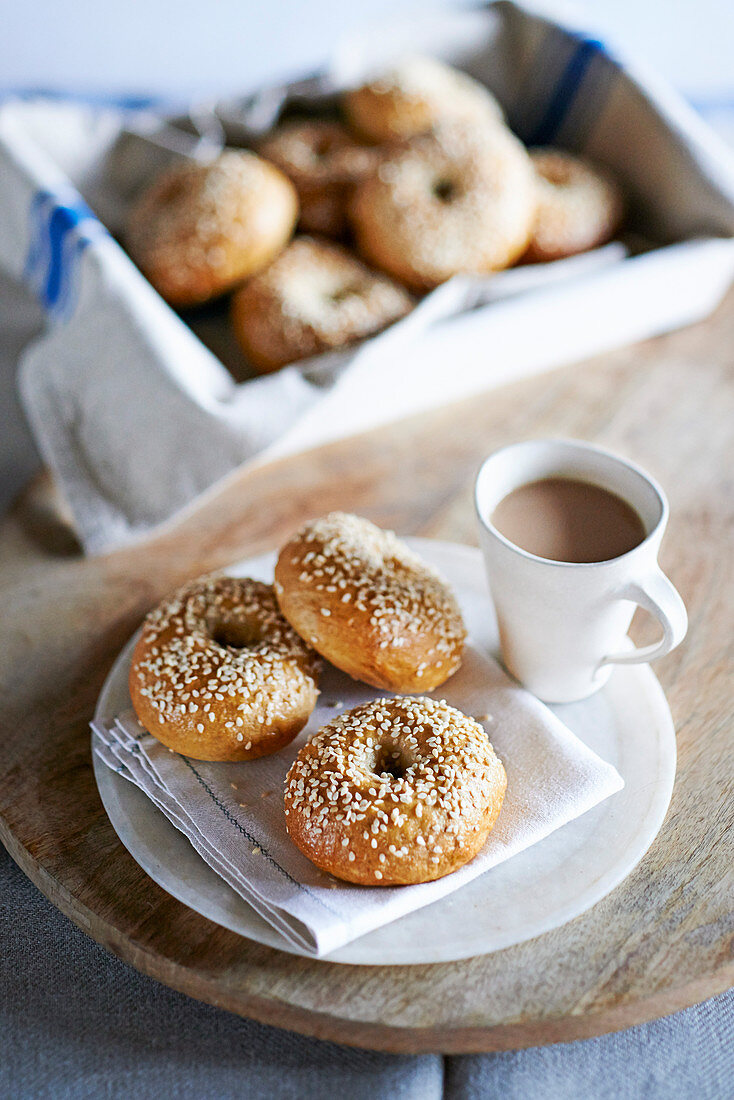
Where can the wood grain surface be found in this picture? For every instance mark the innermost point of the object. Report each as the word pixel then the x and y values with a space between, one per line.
pixel 661 941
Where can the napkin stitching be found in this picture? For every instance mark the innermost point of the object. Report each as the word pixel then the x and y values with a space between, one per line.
pixel 271 859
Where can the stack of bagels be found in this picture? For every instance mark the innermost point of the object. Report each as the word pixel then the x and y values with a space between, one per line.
pixel 417 180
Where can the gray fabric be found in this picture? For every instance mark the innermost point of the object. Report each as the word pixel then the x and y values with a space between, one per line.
pixel 689 1056
pixel 76 1023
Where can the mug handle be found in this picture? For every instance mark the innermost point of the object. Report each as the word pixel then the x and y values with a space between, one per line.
pixel 657 595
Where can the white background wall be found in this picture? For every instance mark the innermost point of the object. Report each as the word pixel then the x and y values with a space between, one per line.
pixel 193 47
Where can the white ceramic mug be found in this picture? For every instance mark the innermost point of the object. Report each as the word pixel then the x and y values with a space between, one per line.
pixel 563 625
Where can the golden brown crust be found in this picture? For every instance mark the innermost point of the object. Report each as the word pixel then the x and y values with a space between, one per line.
pixel 324 162
pixel 315 297
pixel 414 97
pixel 579 206
pixel 450 202
pixel 200 229
pixel 368 604
pixel 394 792
pixel 218 674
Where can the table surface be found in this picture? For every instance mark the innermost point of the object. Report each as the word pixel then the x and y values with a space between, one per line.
pixel 659 942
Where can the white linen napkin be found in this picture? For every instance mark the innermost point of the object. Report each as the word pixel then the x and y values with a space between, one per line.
pixel 233 813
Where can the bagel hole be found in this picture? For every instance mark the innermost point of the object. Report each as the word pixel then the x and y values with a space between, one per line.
pixel 558 174
pixel 232 634
pixel 344 292
pixel 445 190
pixel 323 147
pixel 390 761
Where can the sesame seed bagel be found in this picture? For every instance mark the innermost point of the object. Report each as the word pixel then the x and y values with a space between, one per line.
pixel 368 604
pixel 200 229
pixel 218 674
pixel 394 792
pixel 416 95
pixel 324 162
pixel 452 201
pixel 579 206
pixel 315 297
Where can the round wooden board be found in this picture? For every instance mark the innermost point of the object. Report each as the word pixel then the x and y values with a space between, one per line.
pixel 659 942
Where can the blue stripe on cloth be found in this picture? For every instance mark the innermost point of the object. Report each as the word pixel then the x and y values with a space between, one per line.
pixel 60 229
pixel 63 220
pixel 121 101
pixel 565 91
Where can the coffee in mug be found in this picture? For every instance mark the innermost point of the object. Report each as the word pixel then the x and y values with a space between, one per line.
pixel 564 519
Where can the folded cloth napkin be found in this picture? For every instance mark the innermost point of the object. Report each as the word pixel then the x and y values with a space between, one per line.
pixel 233 813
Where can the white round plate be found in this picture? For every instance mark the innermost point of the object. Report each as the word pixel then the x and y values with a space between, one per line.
pixel 627 723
